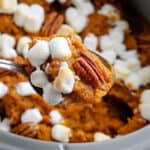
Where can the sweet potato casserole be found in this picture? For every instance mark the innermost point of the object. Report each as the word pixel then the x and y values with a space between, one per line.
pixel 62 43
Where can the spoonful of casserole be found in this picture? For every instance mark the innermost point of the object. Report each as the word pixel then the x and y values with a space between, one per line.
pixel 60 66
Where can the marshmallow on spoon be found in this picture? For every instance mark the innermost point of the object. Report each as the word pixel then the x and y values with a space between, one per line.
pixel 39 53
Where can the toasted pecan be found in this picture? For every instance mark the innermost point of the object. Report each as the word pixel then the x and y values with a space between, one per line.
pixel 28 129
pixel 52 24
pixel 144 48
pixel 87 69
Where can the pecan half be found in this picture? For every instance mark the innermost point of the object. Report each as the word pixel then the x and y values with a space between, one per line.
pixel 52 24
pixel 144 48
pixel 28 129
pixel 89 71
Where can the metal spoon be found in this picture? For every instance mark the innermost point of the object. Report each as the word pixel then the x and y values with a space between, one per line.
pixel 18 68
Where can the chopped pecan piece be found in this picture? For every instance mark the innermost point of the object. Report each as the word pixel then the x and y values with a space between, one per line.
pixel 144 48
pixel 29 129
pixel 52 24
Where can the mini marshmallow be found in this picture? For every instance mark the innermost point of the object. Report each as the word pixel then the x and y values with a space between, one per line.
pixel 145 74
pixel 121 25
pixel 39 53
pixel 61 133
pixel 38 78
pixel 65 80
pixel 99 136
pixel 76 19
pixel 7 43
pixel 55 117
pixel 111 12
pixel 31 115
pixel 106 43
pixel 23 46
pixel 116 35
pixel 5 125
pixel 145 97
pixel 8 6
pixel 121 70
pixel 145 111
pixel 109 55
pixel 133 64
pixel 3 89
pixel 25 89
pixel 130 54
pixel 21 14
pixel 91 41
pixel 119 48
pixel 7 40
pixel 65 30
pixel 51 96
pixel 85 7
pixel 26 17
pixel 59 48
pixel 133 81
pixel 8 52
pixel 33 22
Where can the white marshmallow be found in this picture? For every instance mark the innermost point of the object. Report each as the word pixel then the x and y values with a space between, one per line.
pixel 116 35
pixel 27 17
pixel 99 136
pixel 8 52
pixel 109 55
pixel 25 89
pixel 5 125
pixel 3 89
pixel 91 41
pixel 8 6
pixel 31 115
pixel 76 19
pixel 61 133
pixel 7 43
pixel 133 81
pixel 106 43
pixel 85 7
pixel 21 14
pixel 39 53
pixel 121 70
pixel 129 55
pixel 23 46
pixel 145 74
pixel 145 111
pixel 65 30
pixel 55 117
pixel 52 96
pixel 121 25
pixel 145 97
pixel 111 12
pixel 65 80
pixel 133 64
pixel 119 48
pixel 33 22
pixel 7 40
pixel 59 48
pixel 38 78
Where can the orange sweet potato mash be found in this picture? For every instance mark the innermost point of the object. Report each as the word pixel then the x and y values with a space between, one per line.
pixel 82 117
